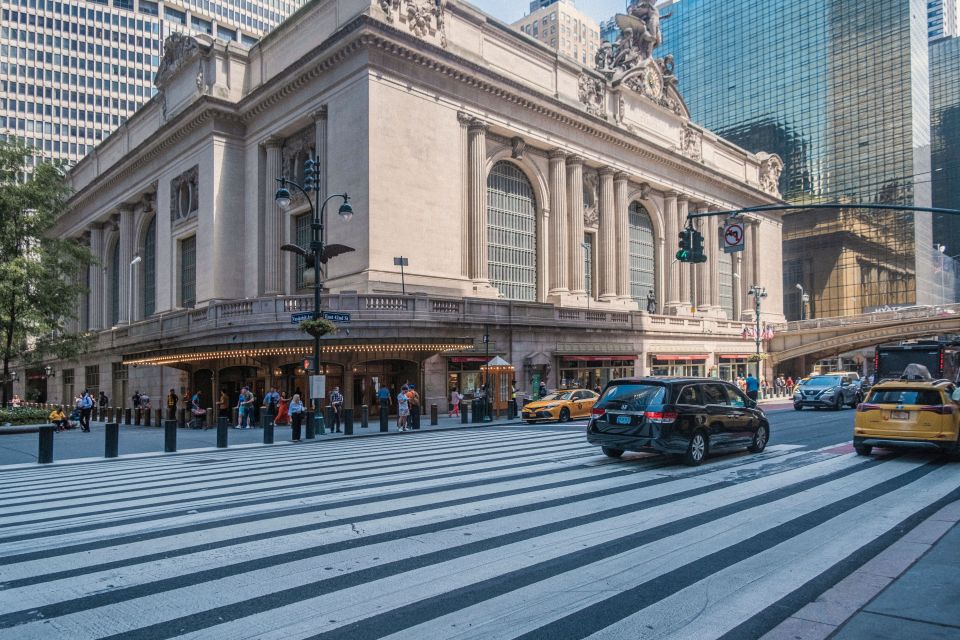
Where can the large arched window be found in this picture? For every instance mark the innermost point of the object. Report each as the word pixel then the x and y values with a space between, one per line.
pixel 115 284
pixel 642 257
pixel 150 269
pixel 726 283
pixel 511 232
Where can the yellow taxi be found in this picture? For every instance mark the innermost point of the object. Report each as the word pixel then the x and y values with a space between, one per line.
pixel 561 406
pixel 918 414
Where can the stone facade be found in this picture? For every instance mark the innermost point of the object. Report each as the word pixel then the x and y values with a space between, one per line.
pixel 412 116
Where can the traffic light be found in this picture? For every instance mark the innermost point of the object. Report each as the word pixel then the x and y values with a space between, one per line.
pixel 686 245
pixel 696 254
pixel 310 175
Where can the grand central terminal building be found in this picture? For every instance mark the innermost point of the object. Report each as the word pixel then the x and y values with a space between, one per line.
pixel 536 201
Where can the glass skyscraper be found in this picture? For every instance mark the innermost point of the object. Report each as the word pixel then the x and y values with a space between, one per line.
pixel 839 89
pixel 945 141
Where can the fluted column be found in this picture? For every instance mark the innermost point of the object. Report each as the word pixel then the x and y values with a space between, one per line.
pixel 477 150
pixel 559 240
pixel 608 237
pixel 577 280
pixel 748 272
pixel 686 288
pixel 126 255
pixel 671 234
pixel 95 271
pixel 273 220
pixel 713 247
pixel 620 190
pixel 737 288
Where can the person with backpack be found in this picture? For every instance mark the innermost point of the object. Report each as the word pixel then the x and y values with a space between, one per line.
pixel 172 400
pixel 413 398
pixel 86 406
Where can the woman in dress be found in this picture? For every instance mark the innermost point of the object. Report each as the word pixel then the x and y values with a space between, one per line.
pixel 403 409
pixel 283 410
pixel 455 403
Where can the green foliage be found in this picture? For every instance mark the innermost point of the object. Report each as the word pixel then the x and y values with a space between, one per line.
pixel 39 271
pixel 757 357
pixel 318 327
pixel 24 416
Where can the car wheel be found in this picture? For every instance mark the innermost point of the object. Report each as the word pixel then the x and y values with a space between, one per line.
pixel 610 452
pixel 760 437
pixel 564 415
pixel 863 449
pixel 697 449
pixel 798 407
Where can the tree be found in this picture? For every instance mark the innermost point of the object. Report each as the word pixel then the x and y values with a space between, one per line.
pixel 39 273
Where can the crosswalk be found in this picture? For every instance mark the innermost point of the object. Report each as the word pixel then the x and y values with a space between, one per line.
pixel 491 534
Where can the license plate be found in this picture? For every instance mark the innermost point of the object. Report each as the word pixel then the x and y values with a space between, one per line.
pixel 624 419
pixel 899 415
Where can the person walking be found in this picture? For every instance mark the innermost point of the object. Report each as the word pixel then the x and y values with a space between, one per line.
pixel 244 409
pixel 383 397
pixel 336 403
pixel 199 414
pixel 172 400
pixel 104 400
pixel 752 386
pixel 789 385
pixel 283 410
pixel 403 408
pixel 271 400
pixel 223 404
pixel 413 399
pixel 86 405
pixel 296 415
pixel 455 399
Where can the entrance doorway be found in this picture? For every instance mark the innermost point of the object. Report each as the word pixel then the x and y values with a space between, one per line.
pixel 370 376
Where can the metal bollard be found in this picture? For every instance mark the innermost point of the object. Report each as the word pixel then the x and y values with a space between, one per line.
pixel 208 420
pixel 310 426
pixel 364 417
pixel 265 417
pixel 464 417
pixel 384 418
pixel 138 417
pixel 159 417
pixel 169 436
pixel 45 449
pixel 127 417
pixel 182 417
pixel 474 411
pixel 433 415
pixel 268 432
pixel 348 422
pixel 223 428
pixel 328 418
pixel 512 409
pixel 118 414
pixel 111 443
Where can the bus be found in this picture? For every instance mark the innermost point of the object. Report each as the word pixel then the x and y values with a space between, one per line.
pixel 940 358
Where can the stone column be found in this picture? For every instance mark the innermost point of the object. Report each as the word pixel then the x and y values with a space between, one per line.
pixel 320 138
pixel 95 271
pixel 126 240
pixel 713 246
pixel 671 233
pixel 685 272
pixel 607 253
pixel 748 274
pixel 559 239
pixel 738 289
pixel 577 280
pixel 274 219
pixel 620 189
pixel 477 150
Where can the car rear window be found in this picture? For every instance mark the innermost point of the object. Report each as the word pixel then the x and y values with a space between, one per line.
pixel 905 396
pixel 630 397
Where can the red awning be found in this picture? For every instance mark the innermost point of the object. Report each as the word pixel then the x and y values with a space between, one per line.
pixel 730 356
pixel 684 357
pixel 469 359
pixel 596 358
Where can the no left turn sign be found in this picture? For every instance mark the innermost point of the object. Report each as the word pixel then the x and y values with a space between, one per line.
pixel 733 237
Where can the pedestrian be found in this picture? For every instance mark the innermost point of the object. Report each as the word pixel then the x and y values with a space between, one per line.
pixel 136 400
pixel 283 410
pixel 296 415
pixel 455 403
pixel 383 396
pixel 543 389
pixel 271 400
pixel 145 402
pixel 789 384
pixel 172 400
pixel 199 414
pixel 58 418
pixel 244 402
pixel 104 400
pixel 336 403
pixel 753 386
pixel 413 399
pixel 86 406
pixel 223 404
pixel 403 408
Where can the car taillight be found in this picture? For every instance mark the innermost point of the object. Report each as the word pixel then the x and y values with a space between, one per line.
pixel 660 416
pixel 863 406
pixel 942 409
pixel 598 412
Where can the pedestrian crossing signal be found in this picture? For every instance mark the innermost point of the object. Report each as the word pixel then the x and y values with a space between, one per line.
pixel 686 244
pixel 308 364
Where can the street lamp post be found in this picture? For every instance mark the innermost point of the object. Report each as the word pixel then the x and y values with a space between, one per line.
pixel 318 225
pixel 943 251
pixel 758 294
pixel 136 260
pixel 803 298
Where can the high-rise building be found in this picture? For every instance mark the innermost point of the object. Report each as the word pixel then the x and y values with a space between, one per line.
pixel 561 26
pixel 72 72
pixel 839 90
pixel 942 18
pixel 540 4
pixel 945 134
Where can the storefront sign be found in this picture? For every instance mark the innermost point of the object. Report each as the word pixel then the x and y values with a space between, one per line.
pixel 679 357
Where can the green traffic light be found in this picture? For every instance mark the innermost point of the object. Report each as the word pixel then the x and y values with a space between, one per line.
pixel 682 255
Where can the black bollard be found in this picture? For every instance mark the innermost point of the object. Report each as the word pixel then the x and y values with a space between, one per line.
pixel 364 417
pixel 208 420
pixel 182 417
pixel 511 410
pixel 268 432
pixel 223 428
pixel 384 418
pixel 328 417
pixel 311 426
pixel 127 417
pixel 475 411
pixel 464 417
pixel 137 416
pixel 45 452
pixel 118 415
pixel 348 422
pixel 265 418
pixel 169 436
pixel 111 443
pixel 159 416
pixel 433 415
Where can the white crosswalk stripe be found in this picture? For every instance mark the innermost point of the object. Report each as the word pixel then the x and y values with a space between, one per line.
pixel 492 534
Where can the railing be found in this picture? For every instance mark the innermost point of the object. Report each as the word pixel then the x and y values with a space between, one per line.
pixel 881 317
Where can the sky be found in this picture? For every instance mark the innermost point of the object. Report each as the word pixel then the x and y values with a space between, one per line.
pixel 511 10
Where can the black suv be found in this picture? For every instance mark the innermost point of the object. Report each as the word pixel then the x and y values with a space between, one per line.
pixel 686 416
pixel 828 391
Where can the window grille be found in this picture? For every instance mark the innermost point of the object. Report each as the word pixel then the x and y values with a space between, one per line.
pixel 642 261
pixel 588 263
pixel 115 284
pixel 188 272
pixel 302 236
pixel 511 233
pixel 150 269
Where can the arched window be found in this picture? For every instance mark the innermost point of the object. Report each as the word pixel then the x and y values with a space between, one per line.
pixel 115 284
pixel 511 232
pixel 642 261
pixel 150 269
pixel 726 283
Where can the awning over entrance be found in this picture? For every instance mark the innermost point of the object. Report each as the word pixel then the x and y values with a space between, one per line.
pixel 332 347
pixel 596 358
pixel 733 356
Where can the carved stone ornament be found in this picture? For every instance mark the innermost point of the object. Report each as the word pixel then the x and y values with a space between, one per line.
pixel 640 34
pixel 185 194
pixel 593 94
pixel 691 143
pixel 178 49
pixel 591 212
pixel 423 17
pixel 148 202
pixel 518 148
pixel 648 80
pixel 771 166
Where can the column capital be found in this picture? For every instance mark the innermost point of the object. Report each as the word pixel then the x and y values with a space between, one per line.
pixel 273 142
pixel 574 160
pixel 478 126
pixel 125 207
pixel 682 197
pixel 464 118
pixel 621 176
pixel 606 171
pixel 671 194
pixel 557 154
pixel 321 113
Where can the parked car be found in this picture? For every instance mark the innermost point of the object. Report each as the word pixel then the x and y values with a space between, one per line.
pixel 828 391
pixel 561 406
pixel 917 414
pixel 684 416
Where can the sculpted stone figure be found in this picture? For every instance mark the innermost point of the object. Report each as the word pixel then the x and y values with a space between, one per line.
pixel 640 34
pixel 604 57
pixel 650 37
